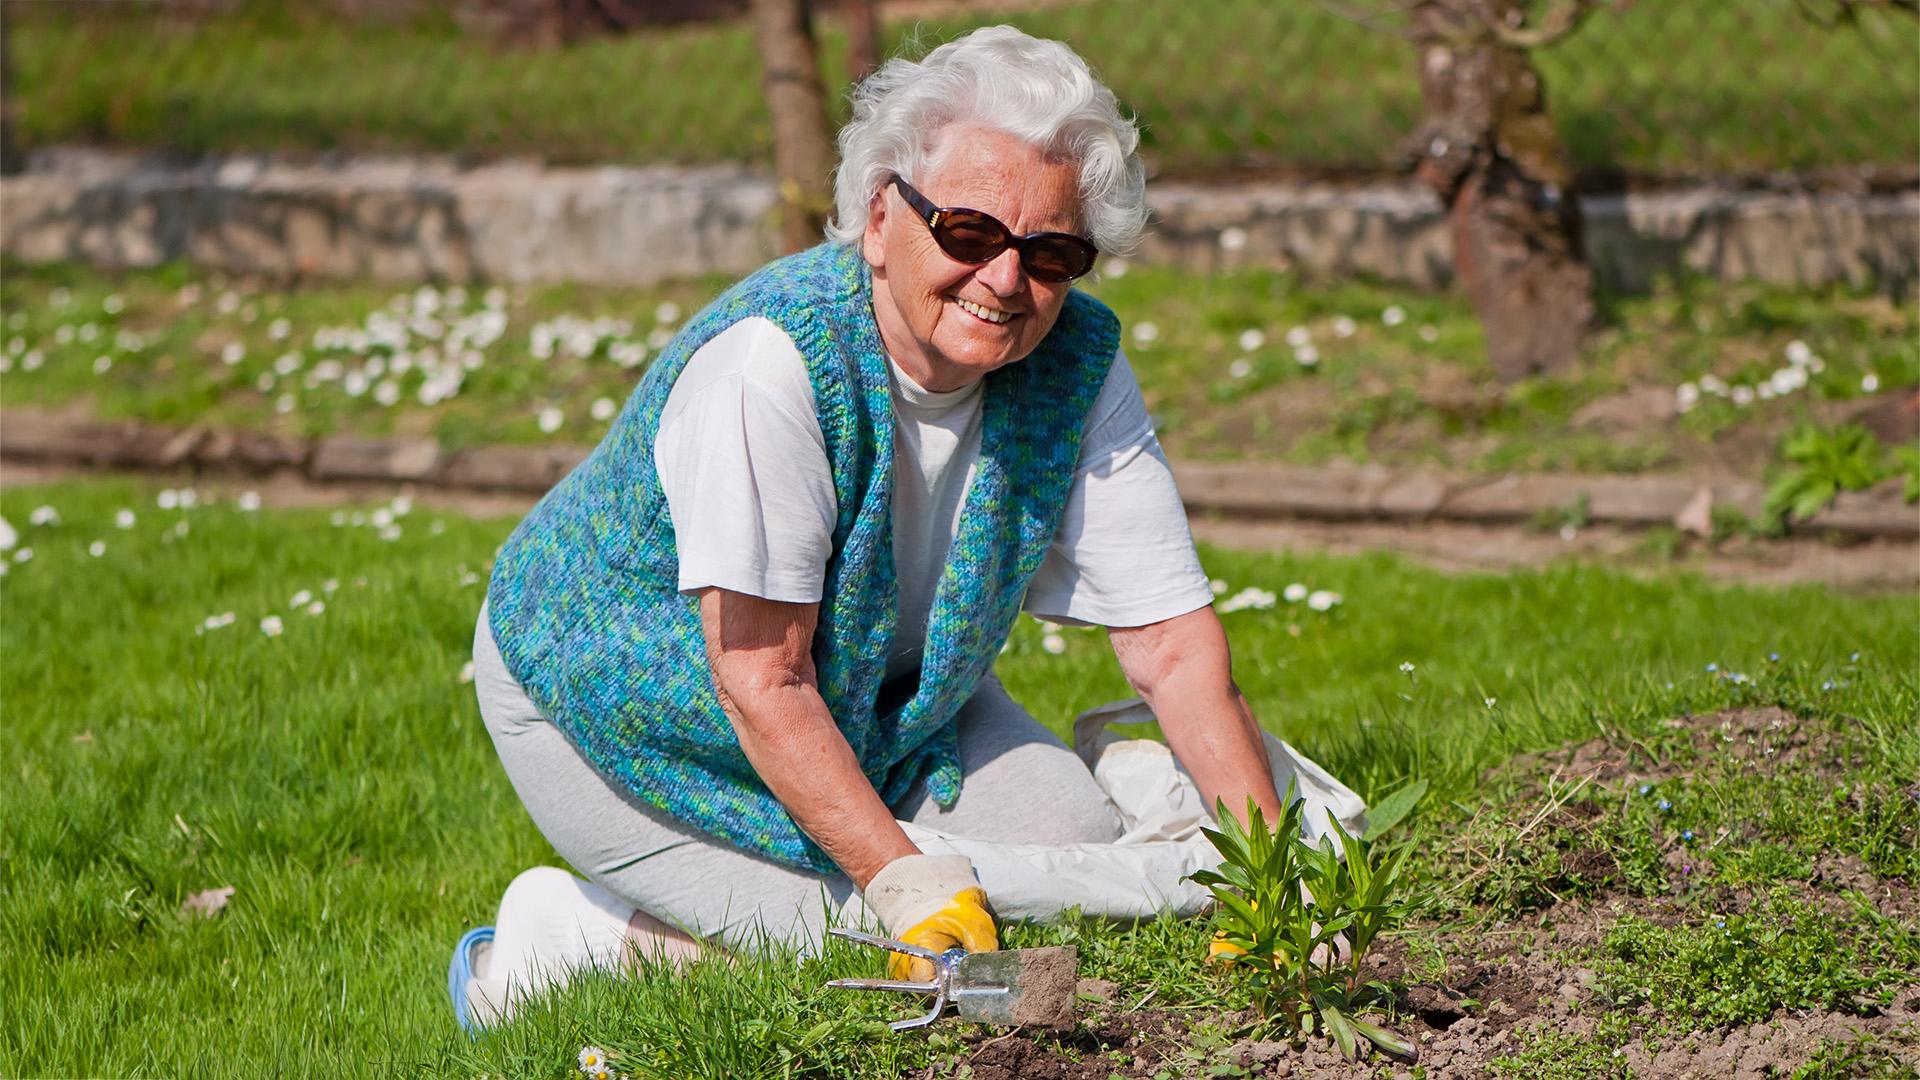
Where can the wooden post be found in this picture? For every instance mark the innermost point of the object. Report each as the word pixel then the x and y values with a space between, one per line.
pixel 1489 150
pixel 802 152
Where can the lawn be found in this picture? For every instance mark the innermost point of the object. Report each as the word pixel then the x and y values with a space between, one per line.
pixel 180 717
pixel 1648 89
pixel 1247 364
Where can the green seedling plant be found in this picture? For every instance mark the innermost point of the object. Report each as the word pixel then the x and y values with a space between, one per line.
pixel 1285 907
pixel 1822 464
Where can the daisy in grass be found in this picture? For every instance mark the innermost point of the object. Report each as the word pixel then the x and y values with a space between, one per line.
pixel 272 626
pixel 1323 599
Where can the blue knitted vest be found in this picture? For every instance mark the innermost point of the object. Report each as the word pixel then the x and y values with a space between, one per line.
pixel 584 596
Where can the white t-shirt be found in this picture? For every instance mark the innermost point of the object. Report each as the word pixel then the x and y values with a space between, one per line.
pixel 745 470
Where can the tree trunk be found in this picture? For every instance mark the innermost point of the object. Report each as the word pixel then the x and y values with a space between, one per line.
pixel 802 152
pixel 863 37
pixel 1488 149
pixel 10 159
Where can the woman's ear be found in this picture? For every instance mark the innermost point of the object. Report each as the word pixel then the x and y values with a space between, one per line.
pixel 873 245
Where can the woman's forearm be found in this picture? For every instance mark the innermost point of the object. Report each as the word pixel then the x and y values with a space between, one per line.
pixel 760 652
pixel 791 739
pixel 1183 668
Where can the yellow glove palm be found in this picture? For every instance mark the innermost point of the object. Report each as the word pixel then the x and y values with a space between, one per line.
pixel 963 922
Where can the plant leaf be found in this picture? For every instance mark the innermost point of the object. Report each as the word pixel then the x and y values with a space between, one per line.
pixel 1391 810
pixel 1386 1040
pixel 1341 1030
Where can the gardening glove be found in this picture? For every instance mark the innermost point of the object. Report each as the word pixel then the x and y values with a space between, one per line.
pixel 935 902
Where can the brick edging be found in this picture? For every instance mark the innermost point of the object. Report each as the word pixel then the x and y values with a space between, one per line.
pixel 1338 493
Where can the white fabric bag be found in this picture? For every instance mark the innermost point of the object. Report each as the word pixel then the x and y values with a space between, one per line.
pixel 1161 813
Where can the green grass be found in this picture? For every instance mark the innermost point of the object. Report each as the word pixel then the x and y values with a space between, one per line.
pixel 1661 89
pixel 1416 392
pixel 337 776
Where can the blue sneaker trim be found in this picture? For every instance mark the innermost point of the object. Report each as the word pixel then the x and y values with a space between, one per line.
pixel 460 973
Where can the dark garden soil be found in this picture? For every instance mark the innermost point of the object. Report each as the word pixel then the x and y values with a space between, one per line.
pixel 1508 985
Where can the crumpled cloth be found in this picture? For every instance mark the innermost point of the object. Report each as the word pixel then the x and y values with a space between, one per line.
pixel 1161 814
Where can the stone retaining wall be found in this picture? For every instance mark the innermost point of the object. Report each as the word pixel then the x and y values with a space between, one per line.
pixel 1370 493
pixel 432 219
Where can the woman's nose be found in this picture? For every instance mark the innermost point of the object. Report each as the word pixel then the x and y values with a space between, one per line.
pixel 1003 273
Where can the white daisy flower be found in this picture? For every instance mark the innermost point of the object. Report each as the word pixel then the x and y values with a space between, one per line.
pixel 278 329
pixel 1251 340
pixel 550 419
pixel 271 626
pixel 1306 356
pixel 1240 368
pixel 32 361
pixel 9 536
pixel 1406 666
pixel 1115 268
pixel 602 409
pixel 1218 586
pixel 1394 315
pixel 1869 383
pixel 124 518
pixel 1298 336
pixel 180 528
pixel 168 499
pixel 1146 333
pixel 44 515
pixel 338 518
pixel 330 585
pixel 1053 643
pixel 316 607
pixel 436 528
pixel 284 404
pixel 25 554
pixel 233 353
pixel 1251 597
pixel 495 298
pixel 102 365
pixel 387 393
pixel 390 533
pixel 1491 702
pixel 265 382
pixel 381 517
pixel 1686 396
pixel 1742 395
pixel 300 598
pixel 89 333
pixel 402 505
pixel 466 672
pixel 114 305
pixel 1429 333
pixel 189 498
pixel 667 312
pixel 1294 593
pixel 215 622
pixel 1799 353
pixel 1323 599
pixel 1233 238
pixel 248 501
pixel 97 548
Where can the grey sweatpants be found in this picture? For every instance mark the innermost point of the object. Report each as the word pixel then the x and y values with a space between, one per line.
pixel 1022 785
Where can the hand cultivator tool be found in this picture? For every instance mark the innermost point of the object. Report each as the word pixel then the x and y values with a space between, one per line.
pixel 1012 988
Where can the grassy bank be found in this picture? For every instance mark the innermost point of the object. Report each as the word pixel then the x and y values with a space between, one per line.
pixel 1650 89
pixel 1248 364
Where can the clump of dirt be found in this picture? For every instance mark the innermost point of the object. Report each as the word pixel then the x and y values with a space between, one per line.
pixel 1507 986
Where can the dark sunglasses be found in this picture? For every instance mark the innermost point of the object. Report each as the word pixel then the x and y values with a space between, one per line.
pixel 970 236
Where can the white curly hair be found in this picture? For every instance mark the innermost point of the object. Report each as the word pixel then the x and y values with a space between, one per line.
pixel 997 77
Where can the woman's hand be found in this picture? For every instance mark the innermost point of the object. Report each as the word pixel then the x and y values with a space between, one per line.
pixel 1183 669
pixel 762 660
pixel 935 902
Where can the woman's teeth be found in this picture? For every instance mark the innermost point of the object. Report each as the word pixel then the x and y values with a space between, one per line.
pixel 987 313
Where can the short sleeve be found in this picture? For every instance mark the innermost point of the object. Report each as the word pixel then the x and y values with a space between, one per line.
pixel 744 467
pixel 1123 555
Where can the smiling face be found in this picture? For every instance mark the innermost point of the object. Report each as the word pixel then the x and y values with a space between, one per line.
pixel 947 323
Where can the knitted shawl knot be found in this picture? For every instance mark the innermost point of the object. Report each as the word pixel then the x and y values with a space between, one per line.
pixel 584 600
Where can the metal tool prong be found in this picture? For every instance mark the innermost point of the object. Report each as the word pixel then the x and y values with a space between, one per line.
pixel 943 968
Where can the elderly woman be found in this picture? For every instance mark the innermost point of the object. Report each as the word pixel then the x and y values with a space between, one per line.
pixel 754 631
